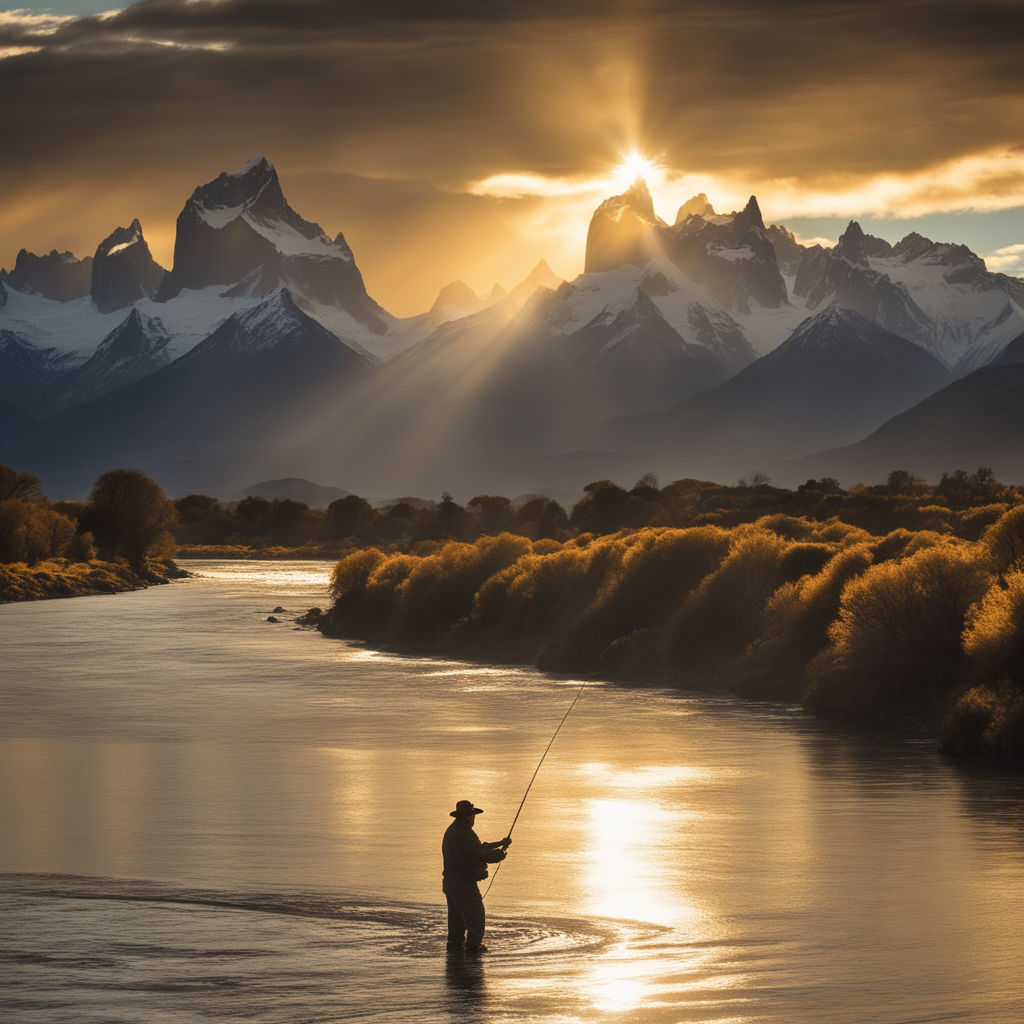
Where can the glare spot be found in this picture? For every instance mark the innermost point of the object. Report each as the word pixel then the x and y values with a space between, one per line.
pixel 618 994
pixel 636 165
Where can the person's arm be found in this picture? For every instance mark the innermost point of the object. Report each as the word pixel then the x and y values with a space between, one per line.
pixel 498 844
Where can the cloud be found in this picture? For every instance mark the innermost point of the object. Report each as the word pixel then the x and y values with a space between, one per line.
pixel 831 106
pixel 16 51
pixel 1007 260
pixel 22 19
pixel 981 182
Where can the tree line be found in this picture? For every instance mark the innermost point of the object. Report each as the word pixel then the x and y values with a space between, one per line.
pixel 126 518
pixel 961 504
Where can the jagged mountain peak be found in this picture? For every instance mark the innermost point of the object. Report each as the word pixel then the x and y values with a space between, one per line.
pixel 61 276
pixel 832 317
pixel 636 200
pixel 277 303
pixel 454 300
pixel 749 217
pixel 257 163
pixel 125 336
pixel 850 246
pixel 855 246
pixel 697 206
pixel 912 246
pixel 120 239
pixel 53 255
pixel 123 269
pixel 276 324
pixel 624 229
pixel 542 276
pixel 457 293
pixel 839 330
pixel 239 231
pixel 229 195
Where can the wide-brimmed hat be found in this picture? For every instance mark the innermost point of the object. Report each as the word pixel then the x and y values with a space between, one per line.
pixel 464 808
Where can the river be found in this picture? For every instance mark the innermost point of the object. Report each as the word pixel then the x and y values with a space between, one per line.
pixel 205 816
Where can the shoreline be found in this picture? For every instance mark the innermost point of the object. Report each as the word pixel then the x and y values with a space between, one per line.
pixel 921 728
pixel 60 578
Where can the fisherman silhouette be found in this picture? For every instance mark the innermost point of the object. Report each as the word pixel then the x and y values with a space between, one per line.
pixel 465 863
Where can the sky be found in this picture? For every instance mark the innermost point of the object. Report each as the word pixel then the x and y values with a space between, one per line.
pixel 469 139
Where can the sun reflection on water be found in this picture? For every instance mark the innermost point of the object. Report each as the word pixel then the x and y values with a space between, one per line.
pixel 625 870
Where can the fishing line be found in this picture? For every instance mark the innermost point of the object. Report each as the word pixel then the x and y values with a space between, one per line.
pixel 579 693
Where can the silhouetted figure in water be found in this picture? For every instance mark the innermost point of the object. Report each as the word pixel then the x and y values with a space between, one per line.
pixel 465 864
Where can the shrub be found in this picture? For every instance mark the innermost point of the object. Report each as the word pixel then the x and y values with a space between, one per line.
pixel 994 635
pixel 31 531
pixel 988 722
pixel 659 569
pixel 439 590
pixel 1004 539
pixel 795 628
pixel 896 640
pixel 722 615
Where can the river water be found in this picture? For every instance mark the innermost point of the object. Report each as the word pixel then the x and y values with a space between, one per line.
pixel 206 816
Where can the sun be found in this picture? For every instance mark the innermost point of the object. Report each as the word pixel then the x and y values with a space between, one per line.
pixel 635 165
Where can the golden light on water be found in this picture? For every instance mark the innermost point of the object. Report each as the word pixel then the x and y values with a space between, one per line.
pixel 623 869
pixel 615 989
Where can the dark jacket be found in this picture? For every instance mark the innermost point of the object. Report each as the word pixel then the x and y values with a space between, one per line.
pixel 465 857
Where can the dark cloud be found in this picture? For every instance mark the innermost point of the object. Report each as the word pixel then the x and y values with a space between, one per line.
pixel 131 111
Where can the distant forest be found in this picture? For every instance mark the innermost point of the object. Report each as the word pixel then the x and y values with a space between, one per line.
pixel 962 504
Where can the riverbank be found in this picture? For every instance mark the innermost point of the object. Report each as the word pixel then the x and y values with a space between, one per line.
pixel 60 577
pixel 914 631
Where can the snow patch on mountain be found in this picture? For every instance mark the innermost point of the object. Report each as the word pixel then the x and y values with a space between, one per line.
pixel 129 237
pixel 402 333
pixel 250 164
pixel 973 319
pixel 76 328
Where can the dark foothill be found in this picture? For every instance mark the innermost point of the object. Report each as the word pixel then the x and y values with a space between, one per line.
pixel 311 618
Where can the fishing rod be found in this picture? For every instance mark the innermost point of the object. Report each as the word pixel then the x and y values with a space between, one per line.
pixel 508 834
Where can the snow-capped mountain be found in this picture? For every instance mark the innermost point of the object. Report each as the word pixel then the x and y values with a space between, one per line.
pixel 68 325
pixel 58 338
pixel 123 270
pixel 239 231
pixel 938 295
pixel 263 342
pixel 732 257
pixel 215 411
pixel 835 379
pixel 138 346
pixel 27 371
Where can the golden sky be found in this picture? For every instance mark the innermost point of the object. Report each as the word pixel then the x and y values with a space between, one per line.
pixel 469 139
